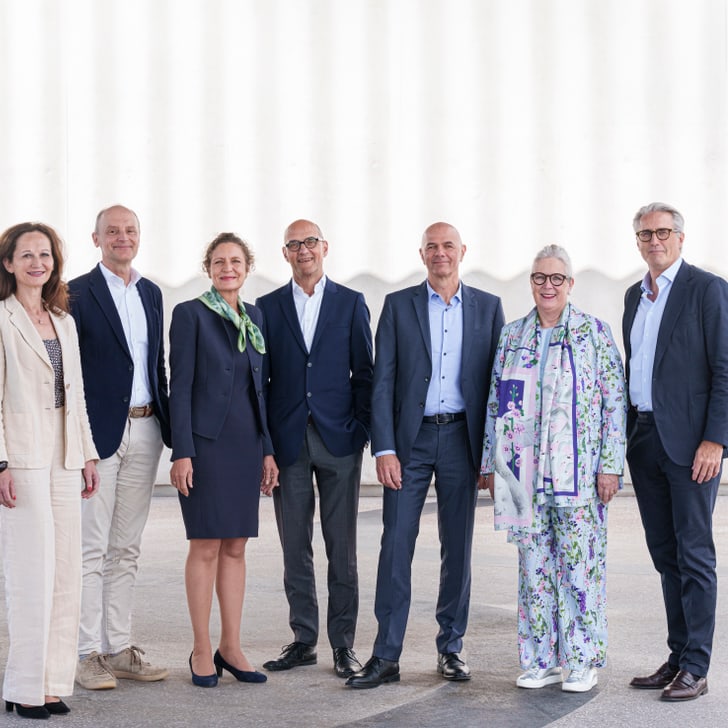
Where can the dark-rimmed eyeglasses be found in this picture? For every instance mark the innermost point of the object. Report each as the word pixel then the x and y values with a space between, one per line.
pixel 295 245
pixel 556 279
pixel 661 234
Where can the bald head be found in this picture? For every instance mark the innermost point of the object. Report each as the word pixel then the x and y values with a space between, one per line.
pixel 297 227
pixel 111 210
pixel 440 229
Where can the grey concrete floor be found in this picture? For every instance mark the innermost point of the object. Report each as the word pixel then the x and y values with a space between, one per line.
pixel 313 696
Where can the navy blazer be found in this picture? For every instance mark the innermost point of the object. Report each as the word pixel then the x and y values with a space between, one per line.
pixel 108 368
pixel 690 374
pixel 403 367
pixel 333 382
pixel 202 351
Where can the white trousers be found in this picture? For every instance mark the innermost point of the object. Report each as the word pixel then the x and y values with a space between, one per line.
pixel 41 545
pixel 113 523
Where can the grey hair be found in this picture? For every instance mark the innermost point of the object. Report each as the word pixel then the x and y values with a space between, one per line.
pixel 678 221
pixel 555 251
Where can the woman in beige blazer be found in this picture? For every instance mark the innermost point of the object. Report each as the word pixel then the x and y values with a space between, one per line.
pixel 47 459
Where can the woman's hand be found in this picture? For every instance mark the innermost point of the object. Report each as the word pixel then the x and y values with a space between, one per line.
pixel 607 486
pixel 7 489
pixel 269 480
pixel 91 479
pixel 180 475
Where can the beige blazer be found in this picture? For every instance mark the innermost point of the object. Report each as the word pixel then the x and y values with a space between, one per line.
pixel 27 404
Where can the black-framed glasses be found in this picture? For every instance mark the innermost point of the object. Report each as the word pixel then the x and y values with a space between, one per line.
pixel 295 245
pixel 661 234
pixel 556 279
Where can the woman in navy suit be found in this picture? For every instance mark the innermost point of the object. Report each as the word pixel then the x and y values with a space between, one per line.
pixel 221 450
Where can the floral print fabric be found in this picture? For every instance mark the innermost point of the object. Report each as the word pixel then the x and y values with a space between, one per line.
pixel 562 616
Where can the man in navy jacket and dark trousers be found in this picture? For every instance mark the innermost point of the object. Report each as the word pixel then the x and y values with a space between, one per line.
pixel 675 330
pixel 435 347
pixel 319 372
pixel 119 318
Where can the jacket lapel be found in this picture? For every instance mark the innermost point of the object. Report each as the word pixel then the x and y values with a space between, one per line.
pixel 21 321
pixel 100 291
pixel 422 311
pixel 328 302
pixel 630 311
pixel 470 320
pixel 288 309
pixel 673 307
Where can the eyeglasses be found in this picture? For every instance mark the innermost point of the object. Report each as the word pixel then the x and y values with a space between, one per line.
pixel 661 233
pixel 295 245
pixel 556 279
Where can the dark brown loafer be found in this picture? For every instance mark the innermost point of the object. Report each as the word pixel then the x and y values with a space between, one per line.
pixel 658 680
pixel 685 686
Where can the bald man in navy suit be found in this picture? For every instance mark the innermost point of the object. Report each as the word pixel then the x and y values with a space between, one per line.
pixel 435 346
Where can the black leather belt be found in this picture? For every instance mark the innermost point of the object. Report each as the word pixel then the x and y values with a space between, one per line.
pixel 445 418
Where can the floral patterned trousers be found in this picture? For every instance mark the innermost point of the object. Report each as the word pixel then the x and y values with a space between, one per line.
pixel 562 601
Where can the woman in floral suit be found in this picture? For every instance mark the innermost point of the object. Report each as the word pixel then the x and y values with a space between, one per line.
pixel 553 458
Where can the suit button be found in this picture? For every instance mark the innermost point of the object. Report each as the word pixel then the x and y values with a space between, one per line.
pixel 308 364
pixel 256 369
pixel 131 367
pixel 422 404
pixel 308 394
pixel 427 379
pixel 126 399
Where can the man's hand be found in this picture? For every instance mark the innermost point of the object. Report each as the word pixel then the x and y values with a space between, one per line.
pixel 706 463
pixel 487 482
pixel 389 472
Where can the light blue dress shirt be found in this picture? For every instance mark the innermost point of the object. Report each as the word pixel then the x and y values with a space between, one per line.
pixel 446 336
pixel 643 337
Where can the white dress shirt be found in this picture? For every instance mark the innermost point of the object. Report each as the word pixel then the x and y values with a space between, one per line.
pixel 134 322
pixel 308 309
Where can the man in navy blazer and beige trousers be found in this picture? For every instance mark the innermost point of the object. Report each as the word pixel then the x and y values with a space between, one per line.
pixel 119 318
pixel 675 331
pixel 319 374
pixel 434 353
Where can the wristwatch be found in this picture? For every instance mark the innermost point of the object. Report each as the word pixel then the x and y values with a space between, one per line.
pixel 3 466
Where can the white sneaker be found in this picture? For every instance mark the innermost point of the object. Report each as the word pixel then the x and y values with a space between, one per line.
pixel 581 680
pixel 537 678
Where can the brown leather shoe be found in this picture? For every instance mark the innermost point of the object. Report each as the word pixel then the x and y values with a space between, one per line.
pixel 661 679
pixel 685 687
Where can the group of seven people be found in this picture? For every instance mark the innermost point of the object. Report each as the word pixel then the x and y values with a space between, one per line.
pixel 282 398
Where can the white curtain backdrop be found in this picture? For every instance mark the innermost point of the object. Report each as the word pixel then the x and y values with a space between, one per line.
pixel 522 122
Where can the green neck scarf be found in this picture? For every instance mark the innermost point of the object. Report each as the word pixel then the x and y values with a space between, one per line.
pixel 215 302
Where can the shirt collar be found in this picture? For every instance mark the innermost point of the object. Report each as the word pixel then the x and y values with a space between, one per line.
pixel 668 274
pixel 317 289
pixel 112 279
pixel 431 292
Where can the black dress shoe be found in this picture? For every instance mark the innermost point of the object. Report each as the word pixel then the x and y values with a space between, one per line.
pixel 375 673
pixel 296 654
pixel 685 686
pixel 451 667
pixel 345 662
pixel 664 675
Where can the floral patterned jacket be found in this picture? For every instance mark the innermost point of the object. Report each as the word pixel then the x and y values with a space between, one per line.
pixel 548 435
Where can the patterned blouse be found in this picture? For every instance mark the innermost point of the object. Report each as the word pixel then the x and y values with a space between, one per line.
pixel 53 347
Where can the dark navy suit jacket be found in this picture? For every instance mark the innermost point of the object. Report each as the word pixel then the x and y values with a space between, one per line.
pixel 690 374
pixel 108 368
pixel 202 351
pixel 333 382
pixel 403 367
